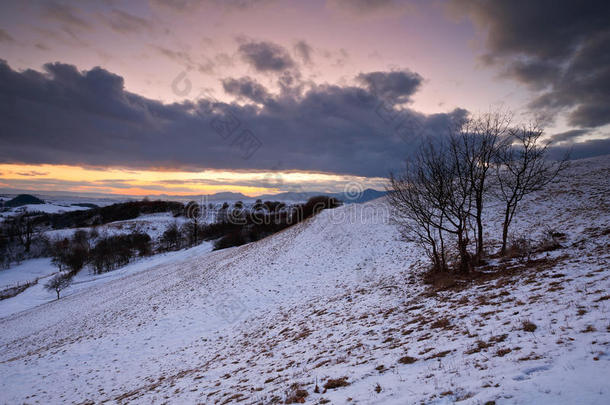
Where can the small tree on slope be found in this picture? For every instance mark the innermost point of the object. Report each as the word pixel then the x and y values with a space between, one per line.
pixel 59 282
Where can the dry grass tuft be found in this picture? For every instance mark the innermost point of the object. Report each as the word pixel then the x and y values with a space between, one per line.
pixel 529 326
pixel 333 383
pixel 407 360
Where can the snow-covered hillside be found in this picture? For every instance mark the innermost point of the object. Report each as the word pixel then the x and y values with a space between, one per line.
pixel 337 297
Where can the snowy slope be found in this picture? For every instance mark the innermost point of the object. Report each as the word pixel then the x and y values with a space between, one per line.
pixel 336 296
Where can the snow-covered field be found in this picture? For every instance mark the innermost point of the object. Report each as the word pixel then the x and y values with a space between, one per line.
pixel 336 296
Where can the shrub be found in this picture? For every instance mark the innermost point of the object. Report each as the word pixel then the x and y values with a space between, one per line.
pixel 529 326
pixel 550 240
pixel 521 249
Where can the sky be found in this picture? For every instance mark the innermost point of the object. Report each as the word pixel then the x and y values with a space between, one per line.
pixel 188 97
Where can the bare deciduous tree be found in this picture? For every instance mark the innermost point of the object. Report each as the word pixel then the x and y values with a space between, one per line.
pixel 523 169
pixel 59 282
pixel 22 227
pixel 476 143
pixel 432 202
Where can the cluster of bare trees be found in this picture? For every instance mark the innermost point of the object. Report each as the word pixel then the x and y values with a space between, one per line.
pixel 439 199
pixel 19 239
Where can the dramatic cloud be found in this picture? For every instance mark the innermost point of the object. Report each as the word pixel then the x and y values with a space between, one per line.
pixel 65 116
pixel 247 88
pixel 266 56
pixel 568 136
pixel 580 150
pixel 395 86
pixel 559 48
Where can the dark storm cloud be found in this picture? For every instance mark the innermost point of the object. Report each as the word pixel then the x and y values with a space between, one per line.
pixel 247 88
pixel 568 135
pixel 265 56
pixel 65 116
pixel 559 48
pixel 398 86
pixel 580 150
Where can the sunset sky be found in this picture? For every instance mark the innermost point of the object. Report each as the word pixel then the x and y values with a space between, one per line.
pixel 262 96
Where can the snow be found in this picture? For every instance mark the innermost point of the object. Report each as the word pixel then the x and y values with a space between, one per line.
pixel 42 269
pixel 337 295
pixel 48 208
pixel 27 271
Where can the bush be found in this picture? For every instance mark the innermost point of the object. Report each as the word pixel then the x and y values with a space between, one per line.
pixel 521 249
pixel 550 240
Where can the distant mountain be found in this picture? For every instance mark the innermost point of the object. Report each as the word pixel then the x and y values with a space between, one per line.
pixel 227 196
pixel 23 199
pixel 367 195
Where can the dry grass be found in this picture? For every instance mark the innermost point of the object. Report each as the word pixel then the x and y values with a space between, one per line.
pixel 333 383
pixel 407 360
pixel 529 326
pixel 503 352
pixel 442 323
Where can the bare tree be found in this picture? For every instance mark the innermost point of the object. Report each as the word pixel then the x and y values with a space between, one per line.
pixel 59 282
pixel 476 143
pixel 22 227
pixel 432 201
pixel 420 220
pixel 523 169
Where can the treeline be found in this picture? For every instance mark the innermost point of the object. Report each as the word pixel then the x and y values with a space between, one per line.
pixel 442 196
pixel 242 227
pixel 20 239
pixel 238 225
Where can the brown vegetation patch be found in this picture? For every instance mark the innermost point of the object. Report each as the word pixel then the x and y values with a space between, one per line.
pixel 333 383
pixel 529 326
pixel 407 360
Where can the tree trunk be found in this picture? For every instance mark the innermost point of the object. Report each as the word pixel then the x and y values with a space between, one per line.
pixel 464 256
pixel 505 231
pixel 479 230
pixel 57 291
